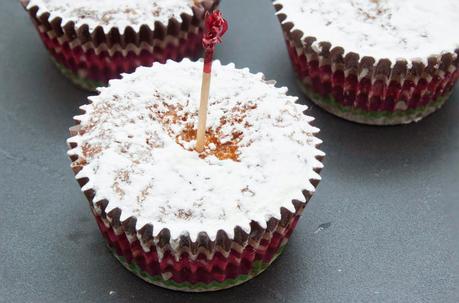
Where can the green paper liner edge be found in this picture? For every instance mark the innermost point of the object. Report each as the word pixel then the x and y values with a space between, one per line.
pixel 258 268
pixel 381 118
pixel 81 82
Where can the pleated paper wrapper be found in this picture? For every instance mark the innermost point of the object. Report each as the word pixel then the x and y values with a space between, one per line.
pixel 187 265
pixel 363 89
pixel 91 58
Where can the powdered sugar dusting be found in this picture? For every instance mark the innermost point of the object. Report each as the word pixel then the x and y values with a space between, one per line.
pixel 136 148
pixel 115 13
pixel 392 29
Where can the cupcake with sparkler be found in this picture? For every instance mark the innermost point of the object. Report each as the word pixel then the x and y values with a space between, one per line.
pixel 188 199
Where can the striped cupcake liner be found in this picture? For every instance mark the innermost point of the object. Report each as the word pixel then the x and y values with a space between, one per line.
pixel 204 265
pixel 184 264
pixel 380 117
pixel 97 56
pixel 257 268
pixel 210 271
pixel 366 90
pixel 97 70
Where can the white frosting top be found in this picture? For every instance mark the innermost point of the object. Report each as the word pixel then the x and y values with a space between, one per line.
pixel 135 150
pixel 114 13
pixel 392 29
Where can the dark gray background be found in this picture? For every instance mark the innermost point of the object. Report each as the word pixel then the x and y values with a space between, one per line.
pixel 389 194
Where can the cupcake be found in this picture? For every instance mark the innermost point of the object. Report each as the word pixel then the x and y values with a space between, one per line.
pixel 93 41
pixel 194 221
pixel 376 62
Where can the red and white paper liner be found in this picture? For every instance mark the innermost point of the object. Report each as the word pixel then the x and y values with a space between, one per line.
pixel 366 90
pixel 92 58
pixel 186 265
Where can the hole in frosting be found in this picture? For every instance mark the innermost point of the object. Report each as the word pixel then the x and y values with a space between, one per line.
pixel 213 145
pixel 222 139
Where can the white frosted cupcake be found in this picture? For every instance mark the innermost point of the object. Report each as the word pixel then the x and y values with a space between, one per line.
pixel 374 61
pixel 93 41
pixel 186 220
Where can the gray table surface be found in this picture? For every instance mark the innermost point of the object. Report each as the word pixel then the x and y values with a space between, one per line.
pixel 389 195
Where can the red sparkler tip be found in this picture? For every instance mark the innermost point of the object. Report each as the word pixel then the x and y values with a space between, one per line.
pixel 215 27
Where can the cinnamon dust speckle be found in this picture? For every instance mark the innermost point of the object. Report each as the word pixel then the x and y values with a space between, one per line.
pixel 90 150
pixel 184 214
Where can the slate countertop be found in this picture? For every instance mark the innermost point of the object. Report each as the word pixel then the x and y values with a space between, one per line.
pixel 381 228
